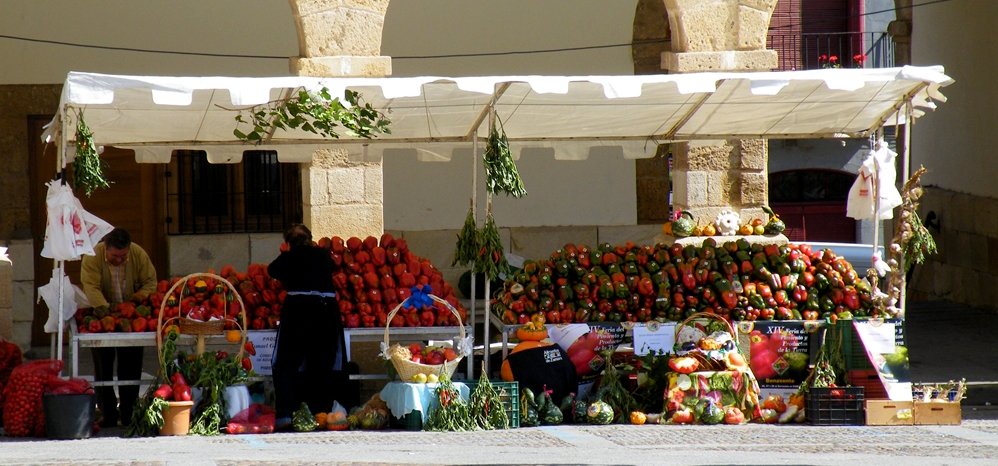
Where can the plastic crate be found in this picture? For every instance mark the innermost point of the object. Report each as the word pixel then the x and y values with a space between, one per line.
pixel 873 387
pixel 509 393
pixel 841 406
pixel 411 421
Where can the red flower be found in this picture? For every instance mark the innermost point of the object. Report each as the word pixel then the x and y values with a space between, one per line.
pixel 833 59
pixel 822 58
pixel 859 58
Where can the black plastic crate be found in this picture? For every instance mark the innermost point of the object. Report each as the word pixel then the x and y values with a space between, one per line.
pixel 411 421
pixel 840 406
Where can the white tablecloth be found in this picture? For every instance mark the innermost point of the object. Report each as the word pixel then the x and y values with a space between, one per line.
pixel 403 398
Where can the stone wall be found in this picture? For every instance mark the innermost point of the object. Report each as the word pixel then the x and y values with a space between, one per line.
pixel 18 103
pixel 965 269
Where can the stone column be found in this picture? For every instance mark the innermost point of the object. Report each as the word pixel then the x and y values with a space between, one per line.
pixel 341 38
pixel 719 35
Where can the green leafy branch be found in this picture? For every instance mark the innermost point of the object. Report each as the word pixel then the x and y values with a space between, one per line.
pixel 318 113
pixel 88 167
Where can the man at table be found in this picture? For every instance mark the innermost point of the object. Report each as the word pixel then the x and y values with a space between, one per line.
pixel 119 271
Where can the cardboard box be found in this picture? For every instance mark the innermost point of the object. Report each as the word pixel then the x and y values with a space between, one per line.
pixel 889 413
pixel 937 413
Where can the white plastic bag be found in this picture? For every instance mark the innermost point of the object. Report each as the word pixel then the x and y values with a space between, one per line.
pixel 70 231
pixel 73 298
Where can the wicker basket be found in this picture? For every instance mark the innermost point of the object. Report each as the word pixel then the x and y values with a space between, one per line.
pixel 407 369
pixel 200 329
pixel 706 363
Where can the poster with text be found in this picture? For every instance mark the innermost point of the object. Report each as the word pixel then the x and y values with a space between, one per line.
pixel 778 351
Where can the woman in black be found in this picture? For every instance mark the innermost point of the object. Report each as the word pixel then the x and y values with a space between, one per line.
pixel 310 346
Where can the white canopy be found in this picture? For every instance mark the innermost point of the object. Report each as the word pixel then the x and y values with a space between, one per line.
pixel 155 115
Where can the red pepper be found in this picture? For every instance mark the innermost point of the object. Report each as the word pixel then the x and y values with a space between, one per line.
pixel 247 363
pixel 249 348
pixel 407 280
pixel 181 392
pixel 354 243
pixel 371 280
pixel 378 256
pixel 164 392
pixel 646 287
pixel 221 355
pixel 140 324
pixel 352 321
pixel 336 245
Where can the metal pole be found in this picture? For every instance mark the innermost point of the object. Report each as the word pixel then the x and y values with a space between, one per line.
pixel 60 265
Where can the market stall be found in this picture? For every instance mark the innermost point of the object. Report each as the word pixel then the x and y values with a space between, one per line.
pixel 157 115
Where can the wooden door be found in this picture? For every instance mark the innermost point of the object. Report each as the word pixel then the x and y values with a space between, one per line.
pixel 132 202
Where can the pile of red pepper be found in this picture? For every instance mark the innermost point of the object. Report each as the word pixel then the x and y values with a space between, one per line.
pixel 373 276
pixel 737 280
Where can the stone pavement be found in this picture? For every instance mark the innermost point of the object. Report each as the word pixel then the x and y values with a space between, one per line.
pixel 946 342
pixel 972 443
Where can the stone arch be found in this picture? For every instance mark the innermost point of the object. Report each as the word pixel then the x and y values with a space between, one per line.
pixel 341 38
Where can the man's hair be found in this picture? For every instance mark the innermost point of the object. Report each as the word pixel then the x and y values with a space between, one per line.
pixel 298 235
pixel 118 238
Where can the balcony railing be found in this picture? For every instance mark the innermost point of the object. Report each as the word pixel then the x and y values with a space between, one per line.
pixel 805 51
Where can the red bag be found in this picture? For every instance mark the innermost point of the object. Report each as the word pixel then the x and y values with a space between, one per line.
pixel 257 419
pixel 60 386
pixel 23 414
pixel 10 357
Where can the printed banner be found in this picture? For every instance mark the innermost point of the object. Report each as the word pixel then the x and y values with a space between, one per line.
pixel 265 342
pixel 883 342
pixel 779 352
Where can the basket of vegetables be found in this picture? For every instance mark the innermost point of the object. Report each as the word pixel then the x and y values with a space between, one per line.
pixel 204 304
pixel 406 362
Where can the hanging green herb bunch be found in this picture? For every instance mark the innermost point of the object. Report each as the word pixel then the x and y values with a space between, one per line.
pixel 467 241
pixel 318 113
pixel 88 167
pixel 491 258
pixel 501 175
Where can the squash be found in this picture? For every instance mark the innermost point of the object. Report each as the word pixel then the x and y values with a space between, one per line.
pixel 599 412
pixel 531 331
pixel 774 226
pixel 638 418
pixel 683 225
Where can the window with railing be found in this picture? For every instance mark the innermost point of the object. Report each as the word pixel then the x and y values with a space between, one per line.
pixel 258 195
pixel 805 51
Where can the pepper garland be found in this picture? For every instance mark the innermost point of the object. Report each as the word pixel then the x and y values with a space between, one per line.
pixel 467 241
pixel 88 167
pixel 501 175
pixel 487 409
pixel 912 242
pixel 452 414
pixel 491 258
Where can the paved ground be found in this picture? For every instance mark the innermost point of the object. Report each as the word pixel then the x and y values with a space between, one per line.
pixel 946 342
pixel 974 442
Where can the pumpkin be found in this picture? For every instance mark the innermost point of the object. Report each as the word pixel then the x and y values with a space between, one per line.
pixel 531 331
pixel 638 418
pixel 683 225
pixel 599 412
pixel 667 228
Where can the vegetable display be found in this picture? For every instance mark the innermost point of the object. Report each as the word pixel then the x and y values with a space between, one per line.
pixel 487 408
pixel 371 277
pixel 736 280
pixel 451 412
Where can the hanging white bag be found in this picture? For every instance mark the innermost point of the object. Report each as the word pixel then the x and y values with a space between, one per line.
pixel 73 298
